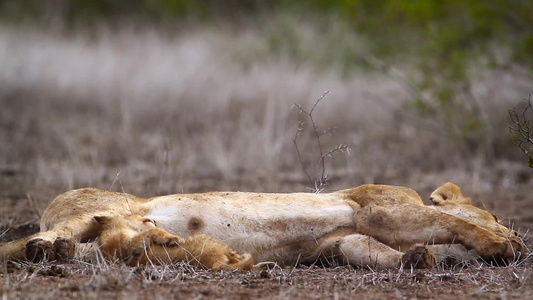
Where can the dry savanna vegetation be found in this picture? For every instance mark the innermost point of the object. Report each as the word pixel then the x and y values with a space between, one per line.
pixel 154 112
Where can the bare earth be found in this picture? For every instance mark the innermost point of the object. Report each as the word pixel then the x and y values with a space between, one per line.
pixel 59 280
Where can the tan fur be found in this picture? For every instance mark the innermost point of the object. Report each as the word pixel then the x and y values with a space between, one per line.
pixel 370 225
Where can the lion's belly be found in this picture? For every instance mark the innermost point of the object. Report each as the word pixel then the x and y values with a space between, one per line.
pixel 254 223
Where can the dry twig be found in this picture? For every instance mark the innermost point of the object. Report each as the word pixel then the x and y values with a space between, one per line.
pixel 521 131
pixel 317 181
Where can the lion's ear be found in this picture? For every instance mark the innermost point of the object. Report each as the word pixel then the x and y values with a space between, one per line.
pixel 496 218
pixel 102 220
pixel 457 195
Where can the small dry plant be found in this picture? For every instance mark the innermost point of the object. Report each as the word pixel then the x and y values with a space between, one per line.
pixel 318 177
pixel 521 130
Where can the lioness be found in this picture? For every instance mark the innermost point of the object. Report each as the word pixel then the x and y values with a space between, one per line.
pixel 371 225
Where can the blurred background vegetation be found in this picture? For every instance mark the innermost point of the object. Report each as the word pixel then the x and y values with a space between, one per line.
pixel 445 40
pixel 460 65
pixel 448 31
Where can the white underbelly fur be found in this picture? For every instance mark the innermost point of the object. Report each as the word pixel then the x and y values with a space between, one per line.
pixel 254 223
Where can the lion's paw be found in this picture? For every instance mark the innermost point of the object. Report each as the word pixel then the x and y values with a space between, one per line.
pixel 420 257
pixel 64 247
pixel 38 250
pixel 514 250
pixel 164 238
pixel 266 265
pixel 503 248
pixel 246 262
pixel 518 249
pixel 233 260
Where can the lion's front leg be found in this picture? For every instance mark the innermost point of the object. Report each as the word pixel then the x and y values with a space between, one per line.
pixel 42 246
pixel 17 249
pixel 408 224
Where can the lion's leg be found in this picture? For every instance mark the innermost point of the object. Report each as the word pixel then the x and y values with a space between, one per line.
pixel 362 250
pixel 158 246
pixel 50 245
pixel 40 246
pixel 409 224
pixel 35 247
pixel 365 251
pixel 453 254
pixel 15 249
pixel 57 243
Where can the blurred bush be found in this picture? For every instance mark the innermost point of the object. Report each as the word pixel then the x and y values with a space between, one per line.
pixel 447 41
pixel 442 29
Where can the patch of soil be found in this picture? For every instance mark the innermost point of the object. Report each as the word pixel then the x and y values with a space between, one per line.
pixel 76 280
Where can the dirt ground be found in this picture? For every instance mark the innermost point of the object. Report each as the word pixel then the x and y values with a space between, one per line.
pixel 68 280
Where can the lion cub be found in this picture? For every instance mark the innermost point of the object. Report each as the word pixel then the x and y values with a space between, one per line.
pixel 449 193
pixel 136 240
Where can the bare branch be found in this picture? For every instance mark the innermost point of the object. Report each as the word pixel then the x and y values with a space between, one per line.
pixel 316 181
pixel 298 131
pixel 521 130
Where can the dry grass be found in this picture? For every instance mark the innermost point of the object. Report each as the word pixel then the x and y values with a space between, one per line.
pixel 167 110
pixel 105 280
pixel 152 113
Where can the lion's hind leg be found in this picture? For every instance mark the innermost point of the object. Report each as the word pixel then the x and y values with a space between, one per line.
pixel 408 225
pixel 365 251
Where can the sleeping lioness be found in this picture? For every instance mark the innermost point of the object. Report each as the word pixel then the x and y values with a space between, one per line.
pixel 371 225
